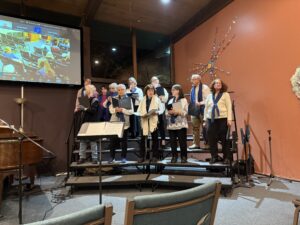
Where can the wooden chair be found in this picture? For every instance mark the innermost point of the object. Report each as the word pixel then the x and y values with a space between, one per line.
pixel 194 206
pixel 97 215
pixel 297 211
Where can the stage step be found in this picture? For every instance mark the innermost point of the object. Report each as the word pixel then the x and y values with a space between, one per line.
pixel 187 180
pixel 137 139
pixel 107 150
pixel 191 163
pixel 168 149
pixel 153 179
pixel 106 164
pixel 196 150
pixel 107 180
pixel 166 162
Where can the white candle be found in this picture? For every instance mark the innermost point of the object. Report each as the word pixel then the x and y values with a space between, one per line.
pixel 22 92
pixel 22 108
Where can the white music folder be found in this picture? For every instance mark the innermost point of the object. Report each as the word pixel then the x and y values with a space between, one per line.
pixel 96 130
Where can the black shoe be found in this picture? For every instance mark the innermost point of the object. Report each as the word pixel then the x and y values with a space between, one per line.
pixel 174 160
pixel 154 160
pixel 141 160
pixel 81 161
pixel 183 159
pixel 213 160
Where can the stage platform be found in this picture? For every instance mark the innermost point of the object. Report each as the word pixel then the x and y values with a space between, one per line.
pixel 152 180
pixel 165 150
pixel 166 162
pixel 153 174
pixel 149 173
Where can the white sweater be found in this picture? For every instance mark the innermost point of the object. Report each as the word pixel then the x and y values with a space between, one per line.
pixel 224 105
pixel 150 125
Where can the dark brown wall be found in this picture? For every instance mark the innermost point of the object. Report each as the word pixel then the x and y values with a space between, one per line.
pixel 47 113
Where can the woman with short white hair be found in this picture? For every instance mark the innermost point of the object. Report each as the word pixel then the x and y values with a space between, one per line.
pixel 112 92
pixel 120 114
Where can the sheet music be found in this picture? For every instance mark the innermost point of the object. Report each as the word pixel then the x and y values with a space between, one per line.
pixel 133 95
pixel 151 112
pixel 112 128
pixel 101 129
pixel 90 129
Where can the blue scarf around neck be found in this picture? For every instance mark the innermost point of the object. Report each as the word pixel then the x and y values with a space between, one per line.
pixel 215 106
pixel 121 115
pixel 200 97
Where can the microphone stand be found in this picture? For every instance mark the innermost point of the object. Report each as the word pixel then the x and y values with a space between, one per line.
pixel 67 142
pixel 235 140
pixel 271 176
pixel 21 139
pixel 245 140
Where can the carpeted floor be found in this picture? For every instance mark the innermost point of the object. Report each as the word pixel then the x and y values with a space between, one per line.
pixel 259 205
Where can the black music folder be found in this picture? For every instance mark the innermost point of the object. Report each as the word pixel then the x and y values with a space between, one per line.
pixel 122 103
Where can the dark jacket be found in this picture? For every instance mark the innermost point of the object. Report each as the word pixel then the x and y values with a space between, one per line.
pixel 92 113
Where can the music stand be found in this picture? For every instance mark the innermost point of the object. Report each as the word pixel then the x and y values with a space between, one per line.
pixel 21 138
pixel 97 131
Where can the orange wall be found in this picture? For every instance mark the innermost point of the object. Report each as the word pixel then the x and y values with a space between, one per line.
pixel 262 58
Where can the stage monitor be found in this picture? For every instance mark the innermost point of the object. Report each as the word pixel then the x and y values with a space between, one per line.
pixel 36 52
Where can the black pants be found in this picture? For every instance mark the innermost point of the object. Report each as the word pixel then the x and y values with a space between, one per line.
pixel 154 136
pixel 181 135
pixel 115 143
pixel 161 126
pixel 134 124
pixel 217 131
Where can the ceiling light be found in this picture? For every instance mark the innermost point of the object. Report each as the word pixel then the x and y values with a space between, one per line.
pixel 168 51
pixel 96 61
pixel 165 1
pixel 114 49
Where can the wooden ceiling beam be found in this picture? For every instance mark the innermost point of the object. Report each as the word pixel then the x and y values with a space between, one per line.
pixel 90 11
pixel 23 9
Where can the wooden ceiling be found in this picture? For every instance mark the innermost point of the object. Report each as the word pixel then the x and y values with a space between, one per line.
pixel 149 15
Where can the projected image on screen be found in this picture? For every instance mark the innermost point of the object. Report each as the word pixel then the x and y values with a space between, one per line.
pixel 37 52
